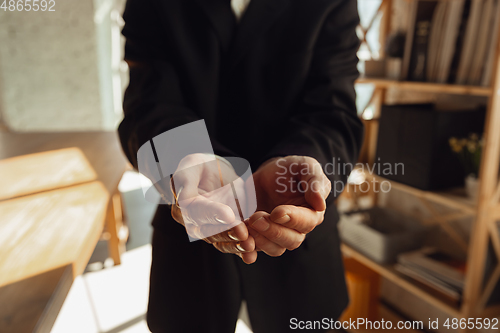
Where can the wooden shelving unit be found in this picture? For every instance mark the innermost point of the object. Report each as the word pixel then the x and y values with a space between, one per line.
pixel 399 279
pixel 454 198
pixel 427 86
pixel 485 212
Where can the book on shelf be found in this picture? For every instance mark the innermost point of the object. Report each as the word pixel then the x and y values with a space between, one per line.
pixel 451 41
pixel 434 269
pixel 435 40
pixel 452 19
pixel 420 40
pixel 452 78
pixel 430 281
pixel 485 27
pixel 490 57
pixel 471 32
pixel 409 39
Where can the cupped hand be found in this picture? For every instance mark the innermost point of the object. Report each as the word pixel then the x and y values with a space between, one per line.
pixel 291 202
pixel 206 206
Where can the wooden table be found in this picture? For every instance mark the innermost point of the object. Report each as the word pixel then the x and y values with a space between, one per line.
pixel 49 225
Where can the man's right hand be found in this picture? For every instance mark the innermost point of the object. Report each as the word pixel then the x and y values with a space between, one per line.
pixel 207 208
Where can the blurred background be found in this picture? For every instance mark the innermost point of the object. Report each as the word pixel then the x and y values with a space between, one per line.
pixel 419 243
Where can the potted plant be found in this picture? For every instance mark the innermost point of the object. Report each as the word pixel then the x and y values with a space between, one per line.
pixel 469 152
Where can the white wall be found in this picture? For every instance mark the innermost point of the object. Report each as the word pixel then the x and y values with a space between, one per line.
pixel 51 69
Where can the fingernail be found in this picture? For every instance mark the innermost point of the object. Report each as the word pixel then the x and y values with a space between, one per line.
pixel 261 224
pixel 219 220
pixel 284 219
pixel 239 247
pixel 232 235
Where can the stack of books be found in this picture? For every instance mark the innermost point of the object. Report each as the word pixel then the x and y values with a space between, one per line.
pixel 451 41
pixel 434 269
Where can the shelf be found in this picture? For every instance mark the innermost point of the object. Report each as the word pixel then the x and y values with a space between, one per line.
pixel 388 272
pixel 485 212
pixel 453 198
pixel 427 86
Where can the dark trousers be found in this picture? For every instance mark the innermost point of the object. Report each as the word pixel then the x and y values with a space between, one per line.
pixel 195 288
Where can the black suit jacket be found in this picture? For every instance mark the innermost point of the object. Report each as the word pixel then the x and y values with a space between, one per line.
pixel 281 82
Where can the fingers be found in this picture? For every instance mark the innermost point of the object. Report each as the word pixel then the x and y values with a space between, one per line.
pixel 201 210
pixel 237 234
pixel 236 240
pixel 302 219
pixel 265 245
pixel 249 257
pixel 245 249
pixel 176 214
pixel 236 247
pixel 318 187
pixel 282 236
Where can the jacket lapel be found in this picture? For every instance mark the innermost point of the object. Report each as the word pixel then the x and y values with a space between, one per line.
pixel 222 19
pixel 257 19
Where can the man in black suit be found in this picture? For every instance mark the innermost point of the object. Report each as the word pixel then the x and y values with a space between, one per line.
pixel 274 83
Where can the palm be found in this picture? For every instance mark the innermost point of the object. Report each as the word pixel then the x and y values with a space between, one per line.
pixel 275 187
pixel 209 188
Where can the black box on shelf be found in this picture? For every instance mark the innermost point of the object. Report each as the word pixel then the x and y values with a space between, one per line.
pixel 413 140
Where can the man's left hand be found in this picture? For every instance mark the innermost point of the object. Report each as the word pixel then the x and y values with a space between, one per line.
pixel 291 202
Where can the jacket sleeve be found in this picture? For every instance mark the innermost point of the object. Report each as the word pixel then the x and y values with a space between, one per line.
pixel 153 102
pixel 325 125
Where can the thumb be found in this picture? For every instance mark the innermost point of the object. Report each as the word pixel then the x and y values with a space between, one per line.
pixel 318 189
pixel 185 183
